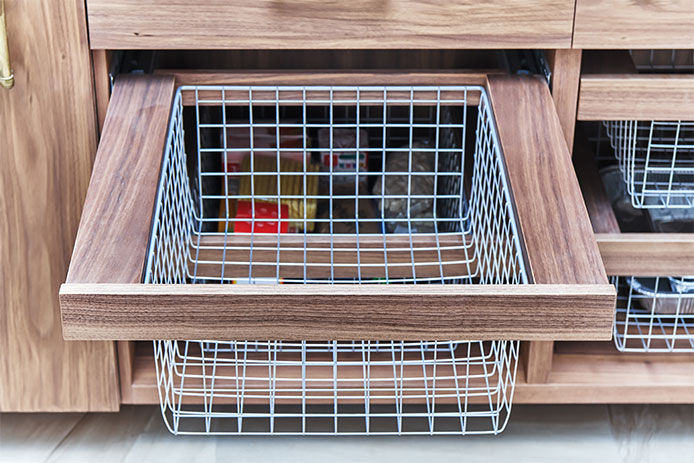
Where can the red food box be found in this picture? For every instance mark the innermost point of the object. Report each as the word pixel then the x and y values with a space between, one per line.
pixel 265 218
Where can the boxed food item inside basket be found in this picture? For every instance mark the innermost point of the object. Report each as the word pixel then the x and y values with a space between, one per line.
pixel 294 188
pixel 405 196
pixel 666 296
pixel 242 140
pixel 349 212
pixel 672 220
pixel 262 217
pixel 264 141
pixel 339 151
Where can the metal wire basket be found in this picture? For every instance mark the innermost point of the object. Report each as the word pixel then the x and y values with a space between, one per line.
pixel 656 160
pixel 334 185
pixel 663 60
pixel 274 387
pixel 654 314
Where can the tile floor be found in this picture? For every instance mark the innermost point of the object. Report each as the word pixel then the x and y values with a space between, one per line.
pixel 624 433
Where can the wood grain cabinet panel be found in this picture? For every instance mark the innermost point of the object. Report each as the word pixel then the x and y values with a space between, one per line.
pixel 612 89
pixel 48 136
pixel 302 24
pixel 624 24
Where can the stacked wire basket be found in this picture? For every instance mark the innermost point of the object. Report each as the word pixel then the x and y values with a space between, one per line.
pixel 656 161
pixel 443 214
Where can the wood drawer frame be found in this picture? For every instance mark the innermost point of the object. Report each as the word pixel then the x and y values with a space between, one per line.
pixel 310 24
pixel 612 89
pixel 104 299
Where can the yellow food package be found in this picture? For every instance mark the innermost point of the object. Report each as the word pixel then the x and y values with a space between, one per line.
pixel 291 186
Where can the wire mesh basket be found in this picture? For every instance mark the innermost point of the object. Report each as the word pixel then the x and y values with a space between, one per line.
pixel 670 61
pixel 654 314
pixel 656 160
pixel 334 185
pixel 274 387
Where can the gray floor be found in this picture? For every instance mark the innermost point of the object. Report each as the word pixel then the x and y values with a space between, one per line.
pixel 632 433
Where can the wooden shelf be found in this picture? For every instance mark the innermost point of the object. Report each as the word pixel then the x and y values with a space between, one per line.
pixel 625 254
pixel 612 90
pixel 595 372
pixel 582 373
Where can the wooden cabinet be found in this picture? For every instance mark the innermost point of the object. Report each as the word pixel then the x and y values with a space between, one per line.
pixel 48 136
pixel 48 132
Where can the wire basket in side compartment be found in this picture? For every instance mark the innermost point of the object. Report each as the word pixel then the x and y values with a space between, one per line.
pixel 334 186
pixel 654 314
pixel 656 160
pixel 666 61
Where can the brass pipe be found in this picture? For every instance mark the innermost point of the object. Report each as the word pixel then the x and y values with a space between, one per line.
pixel 6 76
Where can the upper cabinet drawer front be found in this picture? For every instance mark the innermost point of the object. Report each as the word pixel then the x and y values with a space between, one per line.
pixel 623 24
pixel 360 24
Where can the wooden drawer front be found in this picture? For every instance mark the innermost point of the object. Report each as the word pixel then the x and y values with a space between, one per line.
pixel 625 24
pixel 612 89
pixel 361 24
pixel 543 229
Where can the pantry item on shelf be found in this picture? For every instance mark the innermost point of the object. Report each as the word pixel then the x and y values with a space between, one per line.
pixel 393 189
pixel 238 146
pixel 262 217
pixel 664 295
pixel 630 219
pixel 345 213
pixel 672 220
pixel 297 188
pixel 339 153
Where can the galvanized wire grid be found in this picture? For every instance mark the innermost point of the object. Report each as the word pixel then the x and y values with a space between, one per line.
pixel 273 387
pixel 466 234
pixel 656 160
pixel 663 60
pixel 654 314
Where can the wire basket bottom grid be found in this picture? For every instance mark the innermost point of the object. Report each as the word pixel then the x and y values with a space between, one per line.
pixel 336 387
pixel 346 420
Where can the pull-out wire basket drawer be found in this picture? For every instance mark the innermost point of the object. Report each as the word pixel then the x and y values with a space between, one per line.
pixel 342 256
pixel 657 161
pixel 654 314
pixel 335 185
pixel 360 387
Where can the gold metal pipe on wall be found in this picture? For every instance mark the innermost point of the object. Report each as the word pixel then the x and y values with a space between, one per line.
pixel 6 76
